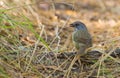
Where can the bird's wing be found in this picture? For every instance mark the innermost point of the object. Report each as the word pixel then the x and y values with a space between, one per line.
pixel 82 36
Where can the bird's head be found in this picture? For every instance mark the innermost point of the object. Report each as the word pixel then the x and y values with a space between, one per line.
pixel 78 25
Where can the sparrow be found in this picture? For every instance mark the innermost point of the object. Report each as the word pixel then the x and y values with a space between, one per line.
pixel 81 39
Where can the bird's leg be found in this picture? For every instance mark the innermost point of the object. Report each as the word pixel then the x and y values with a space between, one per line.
pixel 77 57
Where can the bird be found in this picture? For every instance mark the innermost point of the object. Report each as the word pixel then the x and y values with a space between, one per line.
pixel 81 37
pixel 82 40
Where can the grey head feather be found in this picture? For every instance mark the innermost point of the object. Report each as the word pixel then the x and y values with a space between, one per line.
pixel 79 25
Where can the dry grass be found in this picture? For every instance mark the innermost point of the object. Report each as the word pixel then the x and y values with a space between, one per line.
pixel 30 28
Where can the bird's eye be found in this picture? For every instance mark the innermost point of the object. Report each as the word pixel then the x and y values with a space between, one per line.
pixel 76 24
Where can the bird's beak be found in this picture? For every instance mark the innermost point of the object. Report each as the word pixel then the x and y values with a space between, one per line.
pixel 71 25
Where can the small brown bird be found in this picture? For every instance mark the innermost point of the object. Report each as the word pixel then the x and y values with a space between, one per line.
pixel 82 40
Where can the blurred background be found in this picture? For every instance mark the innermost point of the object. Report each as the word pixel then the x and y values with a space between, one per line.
pixel 51 19
pixel 45 23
